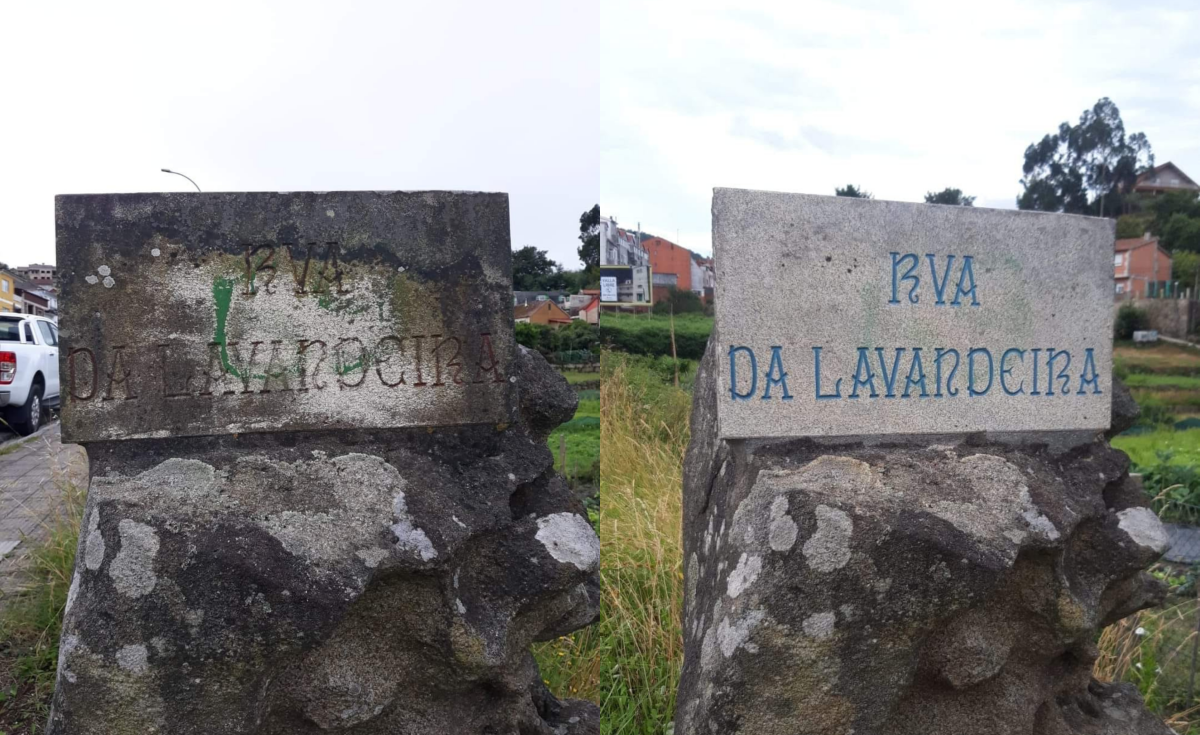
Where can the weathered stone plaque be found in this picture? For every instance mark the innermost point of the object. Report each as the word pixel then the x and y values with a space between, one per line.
pixel 202 314
pixel 840 316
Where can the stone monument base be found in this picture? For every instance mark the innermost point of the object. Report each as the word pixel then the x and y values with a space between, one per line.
pixel 369 582
pixel 923 586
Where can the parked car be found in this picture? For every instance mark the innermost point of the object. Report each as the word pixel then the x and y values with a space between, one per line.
pixel 28 370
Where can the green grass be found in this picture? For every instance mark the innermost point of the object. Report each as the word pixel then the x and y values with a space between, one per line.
pixel 582 436
pixel 30 623
pixel 1161 358
pixel 642 334
pixel 629 661
pixel 9 449
pixel 1154 380
pixel 1143 449
pixel 574 377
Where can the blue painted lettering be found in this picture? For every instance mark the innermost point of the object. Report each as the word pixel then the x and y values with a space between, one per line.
pixel 971 371
pixel 967 276
pixel 1005 372
pixel 889 379
pixel 919 369
pixel 913 262
pixel 733 382
pixel 863 375
pixel 1089 361
pixel 939 289
pixel 837 384
pixel 938 354
pixel 1053 355
pixel 776 375
pixel 1035 392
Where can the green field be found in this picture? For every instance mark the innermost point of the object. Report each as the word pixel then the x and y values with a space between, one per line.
pixel 575 377
pixel 1163 378
pixel 644 334
pixel 1143 449
pixel 582 434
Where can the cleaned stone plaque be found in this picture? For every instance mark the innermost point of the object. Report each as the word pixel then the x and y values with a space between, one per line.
pixel 204 314
pixel 839 317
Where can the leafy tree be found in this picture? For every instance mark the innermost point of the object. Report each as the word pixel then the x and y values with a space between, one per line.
pixel 1175 202
pixel 1085 168
pixel 589 251
pixel 1181 233
pixel 949 196
pixel 852 191
pixel 681 301
pixel 1185 267
pixel 1134 225
pixel 533 270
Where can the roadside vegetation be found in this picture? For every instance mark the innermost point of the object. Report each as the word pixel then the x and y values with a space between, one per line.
pixel 1154 649
pixel 645 334
pixel 30 622
pixel 629 661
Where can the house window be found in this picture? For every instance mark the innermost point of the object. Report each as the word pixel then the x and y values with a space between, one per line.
pixel 1120 288
pixel 4 286
pixel 1118 258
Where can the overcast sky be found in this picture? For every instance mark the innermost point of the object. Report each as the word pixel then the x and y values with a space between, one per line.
pixel 898 97
pixel 254 96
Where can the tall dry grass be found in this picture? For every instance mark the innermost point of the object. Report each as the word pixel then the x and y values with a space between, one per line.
pixel 629 661
pixel 31 620
pixel 1154 649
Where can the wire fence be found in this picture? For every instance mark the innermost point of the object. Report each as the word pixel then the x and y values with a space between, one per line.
pixel 584 361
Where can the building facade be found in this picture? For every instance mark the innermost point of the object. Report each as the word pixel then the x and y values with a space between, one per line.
pixel 541 312
pixel 1164 179
pixel 38 273
pixel 620 247
pixel 677 267
pixel 8 297
pixel 1141 267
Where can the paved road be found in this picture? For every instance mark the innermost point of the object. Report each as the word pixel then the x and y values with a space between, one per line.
pixel 33 474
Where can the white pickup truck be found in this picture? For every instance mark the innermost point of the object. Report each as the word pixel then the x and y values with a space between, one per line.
pixel 28 370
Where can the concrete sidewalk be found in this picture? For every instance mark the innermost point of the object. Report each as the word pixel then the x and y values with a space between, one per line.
pixel 33 474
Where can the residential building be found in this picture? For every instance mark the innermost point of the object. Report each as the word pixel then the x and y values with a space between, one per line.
pixel 1140 267
pixel 28 298
pixel 710 279
pixel 8 298
pixel 541 312
pixel 588 310
pixel 39 273
pixel 530 297
pixel 620 247
pixel 677 267
pixel 1164 179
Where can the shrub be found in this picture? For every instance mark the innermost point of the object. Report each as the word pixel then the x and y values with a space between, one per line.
pixel 1130 319
pixel 651 335
pixel 682 301
pixel 573 337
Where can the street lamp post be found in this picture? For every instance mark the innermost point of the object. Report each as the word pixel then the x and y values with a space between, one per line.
pixel 189 178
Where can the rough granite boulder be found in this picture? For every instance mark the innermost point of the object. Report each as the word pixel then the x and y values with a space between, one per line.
pixel 924 586
pixel 369 582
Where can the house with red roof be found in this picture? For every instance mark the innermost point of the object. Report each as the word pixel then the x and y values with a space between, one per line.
pixel 1138 264
pixel 1164 179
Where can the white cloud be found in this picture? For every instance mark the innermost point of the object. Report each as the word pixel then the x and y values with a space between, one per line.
pixel 898 97
pixel 296 96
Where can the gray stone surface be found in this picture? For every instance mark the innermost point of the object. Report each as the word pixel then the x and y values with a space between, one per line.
pixel 911 588
pixel 201 314
pixel 370 582
pixel 798 272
